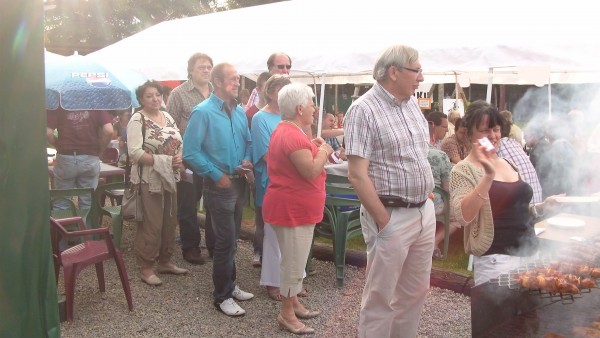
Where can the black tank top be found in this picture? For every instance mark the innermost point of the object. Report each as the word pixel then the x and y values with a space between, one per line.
pixel 513 233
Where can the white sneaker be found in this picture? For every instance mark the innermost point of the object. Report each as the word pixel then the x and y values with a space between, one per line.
pixel 230 308
pixel 256 260
pixel 241 295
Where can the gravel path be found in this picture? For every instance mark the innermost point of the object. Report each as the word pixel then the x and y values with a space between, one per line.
pixel 182 306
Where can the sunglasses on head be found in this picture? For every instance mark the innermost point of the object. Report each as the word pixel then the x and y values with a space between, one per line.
pixel 284 66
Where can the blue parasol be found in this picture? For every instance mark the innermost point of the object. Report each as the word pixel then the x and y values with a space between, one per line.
pixel 79 83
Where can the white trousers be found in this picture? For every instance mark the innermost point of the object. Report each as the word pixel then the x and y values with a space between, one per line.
pixel 294 243
pixel 398 270
pixel 271 257
pixel 491 266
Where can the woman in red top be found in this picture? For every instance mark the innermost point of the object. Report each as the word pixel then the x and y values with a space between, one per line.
pixel 295 197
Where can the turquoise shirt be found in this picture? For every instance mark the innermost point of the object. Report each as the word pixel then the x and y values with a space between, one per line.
pixel 263 124
pixel 214 143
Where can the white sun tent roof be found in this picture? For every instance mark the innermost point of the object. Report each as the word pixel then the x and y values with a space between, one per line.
pixel 459 41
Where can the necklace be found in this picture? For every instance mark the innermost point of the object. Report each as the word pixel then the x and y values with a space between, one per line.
pixel 158 118
pixel 294 123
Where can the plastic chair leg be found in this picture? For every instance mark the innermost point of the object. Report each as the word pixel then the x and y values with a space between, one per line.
pixel 446 238
pixel 340 249
pixel 117 229
pixel 69 276
pixel 100 275
pixel 124 279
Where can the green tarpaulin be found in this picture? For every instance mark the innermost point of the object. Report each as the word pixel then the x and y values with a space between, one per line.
pixel 28 302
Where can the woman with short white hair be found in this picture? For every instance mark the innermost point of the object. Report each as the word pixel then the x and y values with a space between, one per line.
pixel 295 197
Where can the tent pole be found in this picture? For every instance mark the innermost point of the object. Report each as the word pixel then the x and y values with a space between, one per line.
pixel 320 121
pixel 335 110
pixel 549 98
pixel 488 97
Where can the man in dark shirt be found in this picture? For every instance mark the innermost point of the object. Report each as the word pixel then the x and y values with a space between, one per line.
pixel 82 137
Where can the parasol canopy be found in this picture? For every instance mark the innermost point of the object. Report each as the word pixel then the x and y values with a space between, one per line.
pixel 80 83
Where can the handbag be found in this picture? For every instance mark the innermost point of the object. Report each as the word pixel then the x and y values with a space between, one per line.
pixel 132 208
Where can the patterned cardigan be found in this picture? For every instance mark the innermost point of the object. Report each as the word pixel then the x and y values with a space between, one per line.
pixel 479 232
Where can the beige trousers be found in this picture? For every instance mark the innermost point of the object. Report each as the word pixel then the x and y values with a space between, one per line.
pixel 294 244
pixel 398 269
pixel 155 236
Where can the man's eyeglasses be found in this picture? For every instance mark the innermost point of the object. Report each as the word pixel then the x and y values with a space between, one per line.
pixel 283 66
pixel 209 68
pixel 416 71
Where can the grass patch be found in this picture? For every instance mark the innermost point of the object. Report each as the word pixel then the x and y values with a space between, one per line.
pixel 457 259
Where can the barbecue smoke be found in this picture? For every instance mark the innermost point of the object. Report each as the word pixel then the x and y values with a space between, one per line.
pixel 565 145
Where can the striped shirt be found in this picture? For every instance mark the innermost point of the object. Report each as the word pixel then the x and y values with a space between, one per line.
pixel 253 100
pixel 182 101
pixel 394 137
pixel 511 149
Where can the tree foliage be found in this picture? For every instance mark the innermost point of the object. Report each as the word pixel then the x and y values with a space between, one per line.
pixel 88 25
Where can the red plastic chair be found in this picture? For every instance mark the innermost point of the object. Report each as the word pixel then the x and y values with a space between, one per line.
pixel 76 258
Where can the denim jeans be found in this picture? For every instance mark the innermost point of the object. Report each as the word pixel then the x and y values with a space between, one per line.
pixel 188 196
pixel 259 232
pixel 226 206
pixel 81 171
pixel 209 236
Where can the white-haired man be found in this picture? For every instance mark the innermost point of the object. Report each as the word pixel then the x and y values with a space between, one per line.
pixel 387 141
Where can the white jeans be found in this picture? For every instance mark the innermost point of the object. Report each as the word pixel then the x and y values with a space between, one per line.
pixel 398 270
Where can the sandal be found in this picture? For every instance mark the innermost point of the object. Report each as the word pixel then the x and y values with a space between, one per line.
pixel 273 293
pixel 303 293
pixel 437 253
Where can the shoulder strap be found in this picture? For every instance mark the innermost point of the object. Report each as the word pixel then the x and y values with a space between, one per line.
pixel 514 166
pixel 143 140
pixel 143 126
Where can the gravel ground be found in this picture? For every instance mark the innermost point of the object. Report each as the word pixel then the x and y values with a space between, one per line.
pixel 182 306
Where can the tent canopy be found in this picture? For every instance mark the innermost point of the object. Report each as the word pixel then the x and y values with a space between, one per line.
pixel 459 41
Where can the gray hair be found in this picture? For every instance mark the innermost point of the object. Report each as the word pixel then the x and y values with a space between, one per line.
pixel 274 82
pixel 397 55
pixel 292 96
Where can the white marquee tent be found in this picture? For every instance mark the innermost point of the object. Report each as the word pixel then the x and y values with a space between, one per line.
pixel 523 42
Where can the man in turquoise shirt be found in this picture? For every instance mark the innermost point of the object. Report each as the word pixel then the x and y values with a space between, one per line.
pixel 217 146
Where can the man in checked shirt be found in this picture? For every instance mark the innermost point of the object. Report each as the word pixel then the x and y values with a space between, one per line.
pixel 387 141
pixel 181 102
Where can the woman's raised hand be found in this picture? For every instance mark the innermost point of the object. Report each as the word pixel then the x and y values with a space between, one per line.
pixel 318 141
pixel 485 158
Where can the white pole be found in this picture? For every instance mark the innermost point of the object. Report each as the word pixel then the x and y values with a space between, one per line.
pixel 320 122
pixel 488 97
pixel 549 98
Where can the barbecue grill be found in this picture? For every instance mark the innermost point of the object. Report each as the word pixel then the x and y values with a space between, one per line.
pixel 502 308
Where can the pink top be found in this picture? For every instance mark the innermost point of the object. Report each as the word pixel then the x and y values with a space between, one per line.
pixel 291 200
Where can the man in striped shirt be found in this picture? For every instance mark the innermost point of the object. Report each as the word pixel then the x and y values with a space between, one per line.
pixel 387 141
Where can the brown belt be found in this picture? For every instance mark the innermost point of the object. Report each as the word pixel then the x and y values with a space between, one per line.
pixel 397 202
